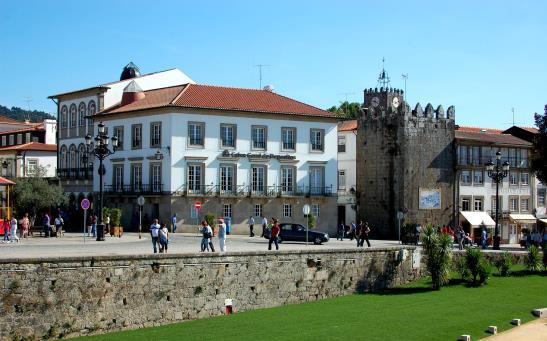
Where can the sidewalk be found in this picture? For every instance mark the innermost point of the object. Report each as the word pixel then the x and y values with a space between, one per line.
pixel 535 330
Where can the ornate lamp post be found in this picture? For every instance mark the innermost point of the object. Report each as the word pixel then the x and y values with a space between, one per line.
pixel 497 172
pixel 101 151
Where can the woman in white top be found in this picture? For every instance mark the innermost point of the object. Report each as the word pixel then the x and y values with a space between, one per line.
pixel 163 234
pixel 13 224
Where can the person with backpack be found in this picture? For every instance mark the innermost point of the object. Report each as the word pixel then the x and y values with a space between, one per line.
pixel 163 235
pixel 154 233
pixel 274 234
pixel 59 226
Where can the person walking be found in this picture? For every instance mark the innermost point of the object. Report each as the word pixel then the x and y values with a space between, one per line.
pixel 251 226
pixel 353 230
pixel 360 227
pixel 484 238
pixel 46 221
pixel 174 223
pixel 25 224
pixel 264 225
pixel 163 235
pixel 207 236
pixel 274 235
pixel 154 233
pixel 461 237
pixel 13 229
pixel 58 226
pixel 6 226
pixel 222 235
pixel 340 235
pixel 94 226
pixel 107 224
pixel 364 234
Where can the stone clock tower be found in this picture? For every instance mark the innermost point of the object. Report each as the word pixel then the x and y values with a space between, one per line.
pixel 405 163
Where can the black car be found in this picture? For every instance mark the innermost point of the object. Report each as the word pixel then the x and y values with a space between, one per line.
pixel 297 233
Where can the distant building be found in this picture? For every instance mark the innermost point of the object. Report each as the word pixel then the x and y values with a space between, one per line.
pixel 347 170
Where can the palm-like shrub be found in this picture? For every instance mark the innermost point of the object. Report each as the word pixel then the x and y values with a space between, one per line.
pixel 504 263
pixel 438 249
pixel 479 268
pixel 533 262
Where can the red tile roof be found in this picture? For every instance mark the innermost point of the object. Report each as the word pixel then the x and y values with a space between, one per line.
pixel 479 130
pixel 37 146
pixel 220 98
pixel 4 181
pixel 490 138
pixel 347 125
pixel 530 130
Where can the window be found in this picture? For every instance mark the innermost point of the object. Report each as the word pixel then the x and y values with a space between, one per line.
pixel 258 137
pixel 4 141
pixel 524 179
pixel 258 174
pixel 19 138
pixel 478 178
pixel 227 136
pixel 315 210
pixel 91 109
pixel 118 132
pixel 287 210
pixel 227 210
pixel 64 116
pixel 73 115
pixel 64 157
pixel 477 204
pixel 341 179
pixel 476 155
pixel 466 204
pixel 316 140
pixel 195 178
pixel 155 134
pixel 513 178
pixel 193 212
pixel 73 159
pixel 81 114
pixel 524 158
pixel 463 155
pixel 341 144
pixel 117 184
pixel 27 137
pixel 541 197
pixel 136 136
pixel 226 178
pixel 257 210
pixel 513 204
pixel 316 180
pixel 493 201
pixel 155 177
pixel 288 138
pixel 136 176
pixel 195 134
pixel 11 140
pixel 32 167
pixel 287 179
pixel 524 204
pixel 465 178
pixel 81 153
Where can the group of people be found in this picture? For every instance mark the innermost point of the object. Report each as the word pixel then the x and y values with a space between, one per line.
pixel 208 233
pixel 10 228
pixel 359 231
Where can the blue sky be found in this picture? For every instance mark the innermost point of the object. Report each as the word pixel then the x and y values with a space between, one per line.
pixel 484 57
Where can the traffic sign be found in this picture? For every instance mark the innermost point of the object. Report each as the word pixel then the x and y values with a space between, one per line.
pixel 85 204
pixel 400 215
pixel 140 200
pixel 306 209
pixel 197 205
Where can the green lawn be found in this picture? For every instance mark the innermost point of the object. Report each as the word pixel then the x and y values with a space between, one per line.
pixel 412 312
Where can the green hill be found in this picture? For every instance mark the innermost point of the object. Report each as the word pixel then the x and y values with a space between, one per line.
pixel 19 114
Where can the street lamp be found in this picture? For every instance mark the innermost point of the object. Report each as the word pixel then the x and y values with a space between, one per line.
pixel 497 172
pixel 101 151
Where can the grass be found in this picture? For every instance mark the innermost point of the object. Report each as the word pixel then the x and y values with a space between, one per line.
pixel 411 312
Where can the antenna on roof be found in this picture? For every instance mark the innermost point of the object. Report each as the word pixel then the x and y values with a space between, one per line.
pixel 405 77
pixel 383 78
pixel 260 66
pixel 27 116
pixel 513 111
pixel 346 94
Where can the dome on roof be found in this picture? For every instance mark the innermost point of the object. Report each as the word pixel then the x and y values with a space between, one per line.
pixel 130 71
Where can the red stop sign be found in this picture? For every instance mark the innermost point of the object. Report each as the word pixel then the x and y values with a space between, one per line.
pixel 197 205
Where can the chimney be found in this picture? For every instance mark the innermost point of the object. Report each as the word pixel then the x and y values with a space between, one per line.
pixel 131 93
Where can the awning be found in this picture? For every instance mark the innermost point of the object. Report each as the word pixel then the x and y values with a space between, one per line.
pixel 523 218
pixel 478 218
pixel 543 221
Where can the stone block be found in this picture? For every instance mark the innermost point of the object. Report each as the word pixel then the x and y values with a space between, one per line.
pixel 541 312
pixel 492 329
pixel 515 322
pixel 464 338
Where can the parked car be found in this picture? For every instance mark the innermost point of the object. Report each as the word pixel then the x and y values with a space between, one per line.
pixel 297 233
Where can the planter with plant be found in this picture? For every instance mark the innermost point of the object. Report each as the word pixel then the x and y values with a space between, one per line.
pixel 115 222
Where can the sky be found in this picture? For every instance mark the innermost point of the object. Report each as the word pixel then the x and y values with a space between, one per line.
pixel 484 57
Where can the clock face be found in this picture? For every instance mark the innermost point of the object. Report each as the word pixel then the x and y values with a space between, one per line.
pixel 395 102
pixel 375 101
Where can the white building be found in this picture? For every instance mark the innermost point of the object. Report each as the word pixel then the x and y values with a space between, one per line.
pixel 240 152
pixel 347 132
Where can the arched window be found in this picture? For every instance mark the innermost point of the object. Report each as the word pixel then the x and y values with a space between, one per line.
pixel 72 115
pixel 81 114
pixel 64 116
pixel 91 110
pixel 64 156
pixel 81 153
pixel 72 157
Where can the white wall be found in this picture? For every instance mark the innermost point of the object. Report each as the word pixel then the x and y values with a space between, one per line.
pixel 347 161
pixel 51 131
pixel 48 160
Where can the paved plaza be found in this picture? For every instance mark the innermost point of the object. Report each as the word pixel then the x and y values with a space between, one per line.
pixel 73 244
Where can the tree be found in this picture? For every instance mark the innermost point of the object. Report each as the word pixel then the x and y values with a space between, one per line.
pixel 438 249
pixel 19 114
pixel 34 194
pixel 538 162
pixel 346 110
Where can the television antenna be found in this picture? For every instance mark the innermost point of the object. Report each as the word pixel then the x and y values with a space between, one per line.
pixel 405 77
pixel 346 94
pixel 28 100
pixel 260 66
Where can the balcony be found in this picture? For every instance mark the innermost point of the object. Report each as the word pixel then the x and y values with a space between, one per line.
pixel 75 173
pixel 253 191
pixel 134 190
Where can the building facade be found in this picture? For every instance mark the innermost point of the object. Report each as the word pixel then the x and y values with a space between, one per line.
pixel 241 153
pixel 347 171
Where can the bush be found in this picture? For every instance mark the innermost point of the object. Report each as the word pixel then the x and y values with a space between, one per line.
pixel 479 268
pixel 461 267
pixel 438 249
pixel 533 262
pixel 115 216
pixel 504 263
pixel 312 221
pixel 210 219
pixel 106 212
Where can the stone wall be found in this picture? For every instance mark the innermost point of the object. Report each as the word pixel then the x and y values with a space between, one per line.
pixel 43 298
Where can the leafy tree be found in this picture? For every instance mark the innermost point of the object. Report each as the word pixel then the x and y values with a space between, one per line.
pixel 312 221
pixel 19 114
pixel 34 194
pixel 346 110
pixel 479 268
pixel 538 162
pixel 438 249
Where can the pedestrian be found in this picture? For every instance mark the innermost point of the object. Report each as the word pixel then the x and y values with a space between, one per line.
pixel 154 233
pixel 46 221
pixel 251 226
pixel 274 234
pixel 364 234
pixel 264 225
pixel 107 224
pixel 174 223
pixel 206 241
pixel 484 238
pixel 6 226
pixel 13 228
pixel 222 235
pixel 25 223
pixel 461 237
pixel 417 235
pixel 94 225
pixel 340 235
pixel 353 230
pixel 544 239
pixel 58 226
pixel 163 234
